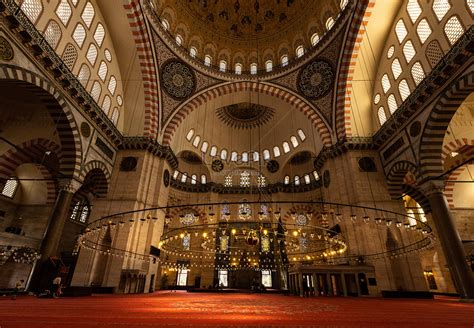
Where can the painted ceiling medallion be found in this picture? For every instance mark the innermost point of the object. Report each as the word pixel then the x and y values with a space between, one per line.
pixel 315 79
pixel 273 166
pixel 245 115
pixel 177 79
pixel 217 165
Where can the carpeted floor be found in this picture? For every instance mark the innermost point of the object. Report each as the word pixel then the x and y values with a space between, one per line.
pixel 183 309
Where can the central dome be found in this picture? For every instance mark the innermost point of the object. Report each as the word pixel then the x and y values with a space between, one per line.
pixel 233 33
pixel 245 20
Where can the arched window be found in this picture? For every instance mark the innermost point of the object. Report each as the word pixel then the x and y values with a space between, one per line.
pixel 382 116
pixel 165 23
pixel 88 14
pixel 222 66
pixel 401 31
pixel 330 23
pixel 102 71
pixel 286 147
pixel 238 68
pixel 392 104
pixel 299 51
pixel 294 141
pixel 207 60
pixel 112 85
pixel 297 180
pixel 287 179
pixel 404 89
pixel 396 68
pixel 179 39
pixel 213 152
pixel 184 177
pixel 203 179
pixel 414 10
pixel 175 174
pixel 196 141
pixel 307 179
pixel 69 56
pixel 266 154
pixel 284 60
pixel 314 39
pixel 10 187
pixel 223 154
pixel 99 34
pixel 253 68
pixel 269 65
pixel 92 54
pixel 385 83
pixel 344 4
pixel 193 179
pixel 106 104
pixel 301 134
pixel 256 156
pixel 245 157
pixel 453 29
pixel 276 151
pixel 96 90
pixel 316 175
pixel 64 12
pixel 115 116
pixel 84 74
pixel 193 52
pixel 186 243
pixel 204 146
pixel 441 8
pixel 52 34
pixel 423 30
pixel 190 134
pixel 417 73
pixel 408 51
pixel 234 156
pixel 32 9
pixel 79 34
pixel 411 217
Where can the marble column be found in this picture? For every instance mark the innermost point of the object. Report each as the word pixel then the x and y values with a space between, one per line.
pixel 344 287
pixel 451 243
pixel 328 279
pixel 53 233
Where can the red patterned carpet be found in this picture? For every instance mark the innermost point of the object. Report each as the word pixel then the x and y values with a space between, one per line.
pixel 183 309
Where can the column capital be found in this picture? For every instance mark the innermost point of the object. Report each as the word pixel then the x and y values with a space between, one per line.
pixel 69 185
pixel 431 187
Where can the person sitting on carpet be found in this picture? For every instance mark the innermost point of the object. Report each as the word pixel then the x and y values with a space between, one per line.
pixel 56 287
pixel 18 285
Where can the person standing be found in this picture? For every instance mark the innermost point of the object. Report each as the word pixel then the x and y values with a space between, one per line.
pixel 18 285
pixel 56 290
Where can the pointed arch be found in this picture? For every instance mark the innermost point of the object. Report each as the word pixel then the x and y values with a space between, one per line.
pixel 431 145
pixel 68 132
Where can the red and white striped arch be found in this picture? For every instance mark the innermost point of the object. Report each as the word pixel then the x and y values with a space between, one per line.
pixel 149 72
pixel 356 32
